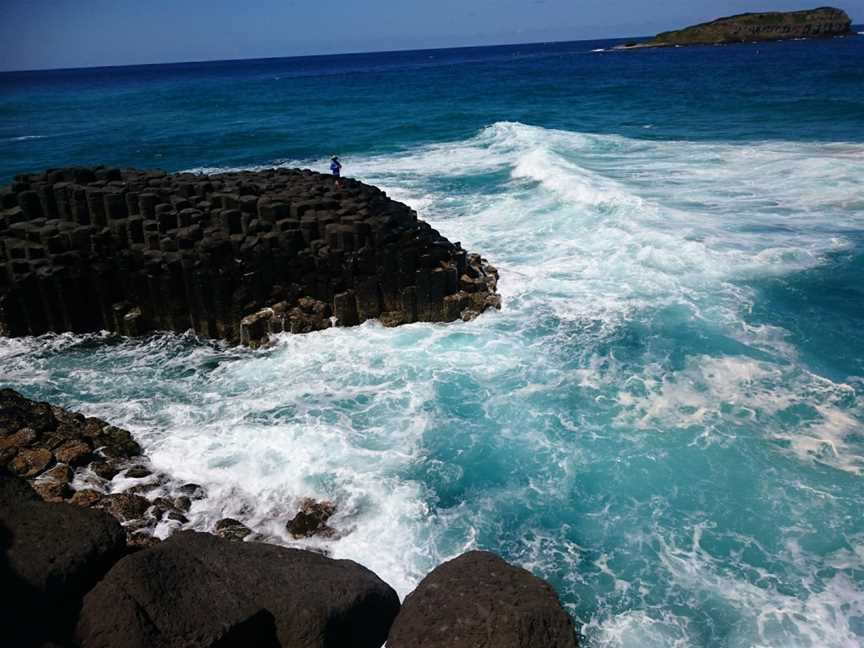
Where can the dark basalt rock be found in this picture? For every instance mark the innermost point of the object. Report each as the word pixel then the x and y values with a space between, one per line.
pixel 235 256
pixel 29 462
pixel 232 529
pixel 73 453
pixel 195 589
pixel 17 412
pixel 137 472
pixel 52 554
pixel 126 506
pixel 52 491
pixel 478 599
pixel 104 470
pixel 311 519
pixel 193 491
pixel 86 497
pixel 57 443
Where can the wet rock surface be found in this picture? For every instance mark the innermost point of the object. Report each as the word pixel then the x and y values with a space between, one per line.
pixel 234 256
pixel 49 446
pixel 104 468
pixel 232 529
pixel 311 519
pixel 478 599
pixel 63 526
pixel 262 594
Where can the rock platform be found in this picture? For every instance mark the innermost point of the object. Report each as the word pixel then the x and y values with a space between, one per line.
pixel 232 256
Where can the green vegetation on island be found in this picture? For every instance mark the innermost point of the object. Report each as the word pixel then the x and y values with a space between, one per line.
pixel 824 22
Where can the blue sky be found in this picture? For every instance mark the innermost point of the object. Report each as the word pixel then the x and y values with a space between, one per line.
pixel 37 34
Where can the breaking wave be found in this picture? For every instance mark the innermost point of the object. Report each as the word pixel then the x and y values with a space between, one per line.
pixel 625 426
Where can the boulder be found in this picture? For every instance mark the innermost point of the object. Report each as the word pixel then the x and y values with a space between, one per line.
pixel 126 506
pixel 193 491
pixel 73 453
pixel 17 412
pixel 52 554
pixel 52 491
pixel 29 462
pixel 137 472
pixel 21 439
pixel 14 492
pixel 117 443
pixel 104 470
pixel 196 590
pixel 478 599
pixel 86 497
pixel 59 473
pixel 232 529
pixel 311 519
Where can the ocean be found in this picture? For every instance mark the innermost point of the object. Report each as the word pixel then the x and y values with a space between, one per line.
pixel 665 420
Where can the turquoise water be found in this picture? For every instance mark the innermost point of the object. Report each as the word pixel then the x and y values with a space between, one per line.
pixel 665 419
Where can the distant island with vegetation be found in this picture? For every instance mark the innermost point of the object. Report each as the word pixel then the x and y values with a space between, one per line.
pixel 824 22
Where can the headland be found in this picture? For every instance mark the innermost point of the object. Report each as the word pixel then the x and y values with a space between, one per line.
pixel 233 256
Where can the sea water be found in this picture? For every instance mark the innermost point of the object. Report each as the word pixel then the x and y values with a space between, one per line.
pixel 664 420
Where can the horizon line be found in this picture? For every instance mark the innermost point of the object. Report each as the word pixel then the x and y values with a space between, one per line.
pixel 322 55
pixel 298 56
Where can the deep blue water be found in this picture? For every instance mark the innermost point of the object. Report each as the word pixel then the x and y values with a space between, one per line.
pixel 665 419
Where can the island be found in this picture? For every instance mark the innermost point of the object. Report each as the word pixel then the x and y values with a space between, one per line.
pixel 824 22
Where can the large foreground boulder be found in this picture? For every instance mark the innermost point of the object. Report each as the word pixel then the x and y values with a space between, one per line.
pixel 196 590
pixel 477 600
pixel 50 556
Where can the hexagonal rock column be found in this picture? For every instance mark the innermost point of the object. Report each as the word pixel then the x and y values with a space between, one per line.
pixel 235 256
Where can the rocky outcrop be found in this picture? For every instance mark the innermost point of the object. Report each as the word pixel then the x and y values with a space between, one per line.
pixel 311 519
pixel 90 463
pixel 53 449
pixel 234 256
pixel 63 524
pixel 50 556
pixel 824 22
pixel 196 590
pixel 478 599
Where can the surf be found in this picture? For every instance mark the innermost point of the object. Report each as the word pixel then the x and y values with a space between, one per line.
pixel 612 428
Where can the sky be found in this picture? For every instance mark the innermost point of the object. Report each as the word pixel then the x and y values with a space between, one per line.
pixel 38 34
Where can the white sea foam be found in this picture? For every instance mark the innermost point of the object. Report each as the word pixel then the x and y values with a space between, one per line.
pixel 23 138
pixel 432 439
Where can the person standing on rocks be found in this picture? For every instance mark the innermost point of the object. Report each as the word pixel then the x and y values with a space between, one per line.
pixel 336 169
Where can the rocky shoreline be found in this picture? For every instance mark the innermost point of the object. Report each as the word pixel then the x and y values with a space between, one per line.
pixel 87 462
pixel 82 517
pixel 232 256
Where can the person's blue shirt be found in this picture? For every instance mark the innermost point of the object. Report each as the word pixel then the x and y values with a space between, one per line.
pixel 335 167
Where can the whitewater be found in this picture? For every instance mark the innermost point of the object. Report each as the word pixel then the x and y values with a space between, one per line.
pixel 630 426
